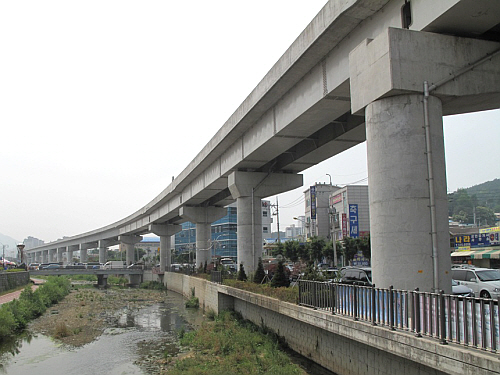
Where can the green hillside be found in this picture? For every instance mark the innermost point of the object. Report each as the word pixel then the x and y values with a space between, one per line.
pixel 481 200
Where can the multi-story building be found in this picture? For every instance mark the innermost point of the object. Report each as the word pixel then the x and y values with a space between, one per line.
pixel 349 212
pixel 223 236
pixel 317 217
pixel 31 242
pixel 294 231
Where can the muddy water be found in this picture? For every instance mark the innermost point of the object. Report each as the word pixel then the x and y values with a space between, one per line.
pixel 132 345
pixel 127 347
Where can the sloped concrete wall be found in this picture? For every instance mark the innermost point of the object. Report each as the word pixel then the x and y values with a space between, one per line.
pixel 11 280
pixel 340 344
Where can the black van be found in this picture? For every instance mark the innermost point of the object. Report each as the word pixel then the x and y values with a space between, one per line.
pixel 356 275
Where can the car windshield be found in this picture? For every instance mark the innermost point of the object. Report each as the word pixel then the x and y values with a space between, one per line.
pixel 488 275
pixel 453 282
pixel 369 274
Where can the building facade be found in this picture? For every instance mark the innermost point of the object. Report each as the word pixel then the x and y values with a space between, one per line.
pixel 349 212
pixel 317 217
pixel 223 233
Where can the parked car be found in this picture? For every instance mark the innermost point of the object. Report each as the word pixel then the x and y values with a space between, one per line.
pixel 356 275
pixel 112 264
pixel 51 266
pixel 484 282
pixel 33 266
pixel 461 290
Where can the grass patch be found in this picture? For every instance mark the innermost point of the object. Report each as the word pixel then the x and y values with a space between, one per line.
pixel 286 294
pixel 15 315
pixel 230 345
pixel 153 285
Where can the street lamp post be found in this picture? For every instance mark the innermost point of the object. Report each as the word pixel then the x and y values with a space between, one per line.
pixel 3 256
pixel 20 248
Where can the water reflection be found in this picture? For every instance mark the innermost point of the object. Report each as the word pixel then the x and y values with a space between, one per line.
pixel 132 335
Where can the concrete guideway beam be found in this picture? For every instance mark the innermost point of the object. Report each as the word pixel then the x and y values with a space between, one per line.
pixel 203 217
pixel 165 231
pixel 128 244
pixel 398 61
pixel 248 188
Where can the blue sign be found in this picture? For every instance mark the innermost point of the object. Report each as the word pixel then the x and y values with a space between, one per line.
pixel 477 239
pixel 353 221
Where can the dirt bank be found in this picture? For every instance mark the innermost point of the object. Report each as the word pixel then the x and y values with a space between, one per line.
pixel 84 314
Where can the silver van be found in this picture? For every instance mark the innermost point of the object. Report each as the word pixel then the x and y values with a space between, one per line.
pixel 484 282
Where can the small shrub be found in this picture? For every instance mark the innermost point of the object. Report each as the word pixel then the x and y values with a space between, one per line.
pixel 193 303
pixel 153 285
pixel 61 330
pixel 210 314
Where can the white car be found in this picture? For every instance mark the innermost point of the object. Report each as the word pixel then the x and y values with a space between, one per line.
pixel 484 282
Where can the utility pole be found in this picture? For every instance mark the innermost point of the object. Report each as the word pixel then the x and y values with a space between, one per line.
pixel 277 213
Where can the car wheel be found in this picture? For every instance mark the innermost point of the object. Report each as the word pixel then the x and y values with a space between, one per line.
pixel 484 294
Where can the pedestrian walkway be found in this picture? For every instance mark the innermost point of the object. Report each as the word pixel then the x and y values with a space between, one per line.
pixel 13 295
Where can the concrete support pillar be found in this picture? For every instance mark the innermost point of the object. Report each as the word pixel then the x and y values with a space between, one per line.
pixel 69 252
pixel 52 255
pixel 127 243
pixel 103 249
pixel 249 232
pixel 102 254
pixel 83 256
pixel 165 231
pixel 399 194
pixel 60 251
pixel 406 168
pixel 248 188
pixel 38 256
pixel 203 217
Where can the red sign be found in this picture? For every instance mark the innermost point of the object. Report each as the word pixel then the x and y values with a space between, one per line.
pixel 344 225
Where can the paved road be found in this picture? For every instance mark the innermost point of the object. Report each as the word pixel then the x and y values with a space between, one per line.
pixel 11 296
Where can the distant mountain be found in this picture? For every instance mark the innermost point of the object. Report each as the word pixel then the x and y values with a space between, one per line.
pixel 487 194
pixel 11 250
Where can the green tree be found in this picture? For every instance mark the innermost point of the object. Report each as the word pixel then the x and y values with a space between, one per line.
pixel 363 244
pixel 279 249
pixel 350 248
pixel 291 250
pixel 485 215
pixel 259 274
pixel 328 251
pixel 316 246
pixel 280 279
pixel 242 276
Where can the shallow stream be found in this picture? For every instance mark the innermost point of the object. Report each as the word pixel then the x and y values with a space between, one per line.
pixel 129 346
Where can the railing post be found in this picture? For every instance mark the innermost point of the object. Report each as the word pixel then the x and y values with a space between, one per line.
pixel 300 293
pixel 315 296
pixel 482 319
pixel 391 308
pixel 442 320
pixel 492 326
pixel 333 295
pixel 373 310
pixel 417 313
pixel 355 302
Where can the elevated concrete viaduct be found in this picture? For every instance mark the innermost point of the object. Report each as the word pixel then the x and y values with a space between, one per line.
pixel 375 70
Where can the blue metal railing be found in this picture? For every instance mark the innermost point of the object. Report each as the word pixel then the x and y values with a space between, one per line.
pixel 468 321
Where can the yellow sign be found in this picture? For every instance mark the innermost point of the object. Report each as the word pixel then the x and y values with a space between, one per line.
pixel 489 230
pixel 463 248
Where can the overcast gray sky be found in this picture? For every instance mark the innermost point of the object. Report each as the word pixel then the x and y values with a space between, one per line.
pixel 102 102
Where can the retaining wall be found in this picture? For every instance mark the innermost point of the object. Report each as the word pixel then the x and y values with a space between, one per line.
pixel 340 344
pixel 11 280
